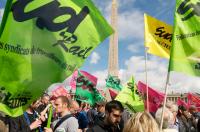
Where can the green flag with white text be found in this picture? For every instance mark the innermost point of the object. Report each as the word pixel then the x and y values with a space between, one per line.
pixel 185 51
pixel 130 98
pixel 43 42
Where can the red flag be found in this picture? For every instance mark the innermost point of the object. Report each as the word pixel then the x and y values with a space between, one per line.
pixel 181 102
pixel 113 93
pixel 194 100
pixel 155 98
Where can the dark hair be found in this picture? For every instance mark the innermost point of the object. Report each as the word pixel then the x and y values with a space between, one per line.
pixel 114 104
pixel 64 99
pixel 181 107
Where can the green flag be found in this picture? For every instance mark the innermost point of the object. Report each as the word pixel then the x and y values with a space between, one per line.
pixel 42 42
pixel 185 51
pixel 86 90
pixel 113 82
pixel 130 98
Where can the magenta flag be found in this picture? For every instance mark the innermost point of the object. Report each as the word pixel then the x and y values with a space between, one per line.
pixel 193 100
pixel 155 97
pixel 90 77
pixel 181 102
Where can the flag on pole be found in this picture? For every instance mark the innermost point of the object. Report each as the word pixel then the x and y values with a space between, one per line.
pixel 73 81
pixel 158 36
pixel 113 93
pixel 86 89
pixel 185 52
pixel 43 42
pixel 130 98
pixel 193 100
pixel 113 82
pixel 155 97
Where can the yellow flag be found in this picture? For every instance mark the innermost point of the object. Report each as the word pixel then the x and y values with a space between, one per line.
pixel 158 36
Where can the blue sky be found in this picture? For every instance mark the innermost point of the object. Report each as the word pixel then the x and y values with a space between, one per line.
pixel 131 46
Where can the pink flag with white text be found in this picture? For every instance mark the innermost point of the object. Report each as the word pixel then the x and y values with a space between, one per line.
pixel 155 97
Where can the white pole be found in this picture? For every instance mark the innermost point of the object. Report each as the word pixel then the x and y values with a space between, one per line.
pixel 147 88
pixel 165 100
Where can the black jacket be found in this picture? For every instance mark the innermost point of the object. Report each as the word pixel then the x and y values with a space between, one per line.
pixel 100 126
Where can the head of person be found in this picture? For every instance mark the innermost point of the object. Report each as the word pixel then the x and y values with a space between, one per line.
pixel 101 106
pixel 168 118
pixel 193 110
pixel 83 106
pixel 181 110
pixel 141 122
pixel 34 104
pixel 74 107
pixel 45 99
pixel 113 111
pixel 184 112
pixel 173 108
pixel 62 104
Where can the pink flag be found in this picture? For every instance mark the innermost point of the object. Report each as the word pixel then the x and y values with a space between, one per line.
pixel 102 92
pixel 60 91
pixel 181 102
pixel 113 93
pixel 155 98
pixel 90 77
pixel 194 100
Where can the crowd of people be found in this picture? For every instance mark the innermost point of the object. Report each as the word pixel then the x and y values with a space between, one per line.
pixel 69 115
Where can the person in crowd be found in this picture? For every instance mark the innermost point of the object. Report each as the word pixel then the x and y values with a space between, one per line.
pixel 67 122
pixel 100 111
pixel 141 122
pixel 82 117
pixel 30 121
pixel 174 109
pixel 3 122
pixel 43 103
pixel 91 114
pixel 194 114
pixel 168 119
pixel 74 107
pixel 113 114
pixel 126 115
pixel 185 120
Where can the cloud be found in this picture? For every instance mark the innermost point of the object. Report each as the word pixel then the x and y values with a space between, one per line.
pixel 95 58
pixel 130 25
pixel 156 73
pixel 101 75
pixel 134 48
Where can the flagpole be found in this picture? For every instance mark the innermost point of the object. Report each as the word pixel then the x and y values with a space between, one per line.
pixel 147 88
pixel 165 100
